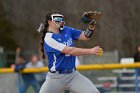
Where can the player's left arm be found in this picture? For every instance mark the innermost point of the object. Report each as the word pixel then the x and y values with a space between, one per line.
pixel 86 35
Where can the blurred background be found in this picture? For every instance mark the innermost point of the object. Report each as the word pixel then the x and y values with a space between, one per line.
pixel 117 32
pixel 118 28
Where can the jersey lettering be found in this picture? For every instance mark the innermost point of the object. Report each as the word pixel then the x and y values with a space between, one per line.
pixel 69 42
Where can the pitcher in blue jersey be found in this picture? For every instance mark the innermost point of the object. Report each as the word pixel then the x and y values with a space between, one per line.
pixel 57 43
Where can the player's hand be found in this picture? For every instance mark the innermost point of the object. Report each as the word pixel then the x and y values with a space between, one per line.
pixel 100 52
pixel 97 51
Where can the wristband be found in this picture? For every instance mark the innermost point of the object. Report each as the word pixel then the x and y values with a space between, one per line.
pixel 88 33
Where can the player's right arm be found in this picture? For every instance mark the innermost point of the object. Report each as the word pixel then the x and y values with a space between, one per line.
pixel 82 51
pixel 54 45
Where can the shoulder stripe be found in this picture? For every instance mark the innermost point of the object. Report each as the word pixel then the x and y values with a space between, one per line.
pixel 53 43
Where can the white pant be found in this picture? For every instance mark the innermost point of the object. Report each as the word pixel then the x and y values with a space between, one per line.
pixel 75 82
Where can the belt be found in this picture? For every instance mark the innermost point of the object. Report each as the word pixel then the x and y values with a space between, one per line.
pixel 68 71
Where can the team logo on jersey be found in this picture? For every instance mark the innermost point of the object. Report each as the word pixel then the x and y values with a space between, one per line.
pixel 69 42
pixel 59 39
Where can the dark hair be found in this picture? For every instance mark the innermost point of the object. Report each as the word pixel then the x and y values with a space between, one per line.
pixel 44 31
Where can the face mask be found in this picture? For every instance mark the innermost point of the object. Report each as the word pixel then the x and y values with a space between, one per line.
pixel 56 18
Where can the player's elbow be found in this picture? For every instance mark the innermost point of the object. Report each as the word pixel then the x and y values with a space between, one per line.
pixel 69 51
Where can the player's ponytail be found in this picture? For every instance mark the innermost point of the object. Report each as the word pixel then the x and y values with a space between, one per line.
pixel 43 33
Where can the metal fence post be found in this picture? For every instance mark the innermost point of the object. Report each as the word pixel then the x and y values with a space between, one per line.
pixel 136 80
pixel 19 82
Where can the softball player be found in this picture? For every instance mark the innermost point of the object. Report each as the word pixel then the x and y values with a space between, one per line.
pixel 57 40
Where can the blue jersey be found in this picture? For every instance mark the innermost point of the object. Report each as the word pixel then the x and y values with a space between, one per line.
pixel 55 43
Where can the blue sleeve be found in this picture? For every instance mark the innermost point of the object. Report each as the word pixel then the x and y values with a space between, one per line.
pixel 53 43
pixel 19 67
pixel 75 33
pixel 49 48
